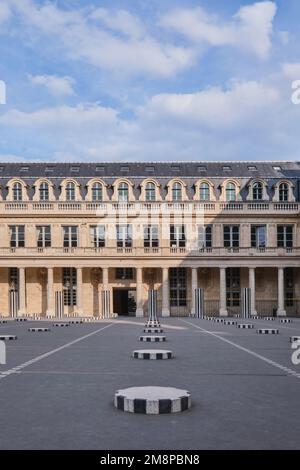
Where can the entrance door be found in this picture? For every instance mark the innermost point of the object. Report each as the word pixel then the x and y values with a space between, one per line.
pixel 124 302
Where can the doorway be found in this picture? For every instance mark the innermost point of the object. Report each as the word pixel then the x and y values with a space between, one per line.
pixel 124 301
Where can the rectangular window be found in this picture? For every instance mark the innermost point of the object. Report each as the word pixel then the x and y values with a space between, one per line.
pixel 178 287
pixel 284 236
pixel 43 236
pixel 70 234
pixel 204 236
pixel 13 278
pixel 124 273
pixel 151 236
pixel 124 236
pixel 17 236
pixel 97 236
pixel 70 286
pixel 177 236
pixel 231 236
pixel 233 289
pixel 258 236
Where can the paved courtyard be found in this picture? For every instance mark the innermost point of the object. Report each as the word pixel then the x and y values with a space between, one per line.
pixel 57 388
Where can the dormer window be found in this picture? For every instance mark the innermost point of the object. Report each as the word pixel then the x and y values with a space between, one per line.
pixel 97 192
pixel 123 192
pixel 177 192
pixel 202 169
pixel 150 192
pixel 283 192
pixel 257 189
pixel 17 192
pixel 75 169
pixel 204 192
pixel 150 169
pixel 24 169
pixel 70 191
pixel 44 191
pixel 230 192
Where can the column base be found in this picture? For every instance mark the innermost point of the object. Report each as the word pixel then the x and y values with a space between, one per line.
pixel 21 313
pixel 281 313
pixel 165 312
pixel 253 314
pixel 223 312
pixel 139 312
pixel 50 313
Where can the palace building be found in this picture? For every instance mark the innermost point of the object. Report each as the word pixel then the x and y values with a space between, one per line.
pixel 91 239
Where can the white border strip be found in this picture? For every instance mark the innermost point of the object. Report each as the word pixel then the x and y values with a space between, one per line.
pixel 252 353
pixel 49 353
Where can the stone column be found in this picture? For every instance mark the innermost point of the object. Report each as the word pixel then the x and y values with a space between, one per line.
pixel 194 286
pixel 139 293
pixel 252 290
pixel 50 293
pixel 281 311
pixel 165 293
pixel 79 291
pixel 22 292
pixel 223 309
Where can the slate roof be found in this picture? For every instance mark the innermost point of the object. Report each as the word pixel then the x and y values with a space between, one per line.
pixel 193 169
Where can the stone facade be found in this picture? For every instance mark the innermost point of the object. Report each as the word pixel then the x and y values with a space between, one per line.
pixel 102 235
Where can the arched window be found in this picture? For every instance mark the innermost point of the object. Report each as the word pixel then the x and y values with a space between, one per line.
pixel 257 189
pixel 70 191
pixel 17 192
pixel 177 192
pixel 283 192
pixel 97 192
pixel 204 192
pixel 44 191
pixel 123 192
pixel 150 192
pixel 230 192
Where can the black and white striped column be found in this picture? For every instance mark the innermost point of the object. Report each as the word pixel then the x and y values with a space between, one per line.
pixel 152 309
pixel 105 303
pixel 59 305
pixel 246 302
pixel 199 302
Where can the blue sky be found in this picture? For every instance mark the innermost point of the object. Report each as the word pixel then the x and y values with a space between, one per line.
pixel 149 80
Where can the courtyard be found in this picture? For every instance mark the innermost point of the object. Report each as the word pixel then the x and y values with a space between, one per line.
pixel 57 388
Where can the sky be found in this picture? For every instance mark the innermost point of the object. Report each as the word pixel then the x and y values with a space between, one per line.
pixel 149 80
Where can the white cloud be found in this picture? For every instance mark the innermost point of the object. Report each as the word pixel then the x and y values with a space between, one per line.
pixel 121 21
pixel 5 12
pixel 291 70
pixel 250 28
pixel 246 120
pixel 214 108
pixel 93 35
pixel 63 118
pixel 57 86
